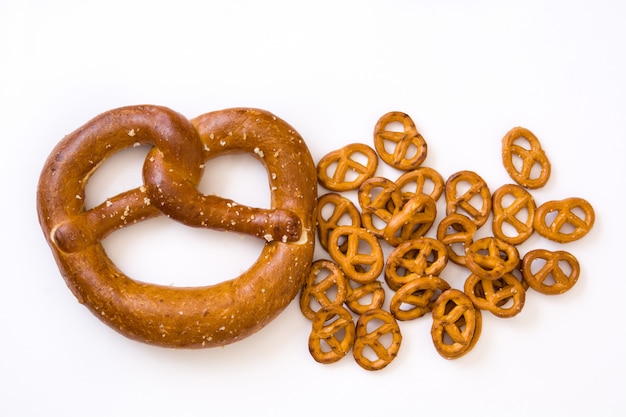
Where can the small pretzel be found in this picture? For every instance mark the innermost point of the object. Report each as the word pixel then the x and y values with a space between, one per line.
pixel 409 138
pixel 457 324
pixel 550 278
pixel 477 187
pixel 361 267
pixel 420 293
pixel 523 201
pixel 365 297
pixel 504 297
pixel 372 339
pixel 456 229
pixel 332 334
pixel 316 289
pixel 412 221
pixel 415 258
pixel 419 179
pixel 345 165
pixel 174 316
pixel 343 211
pixel 380 199
pixel 529 157
pixel 491 258
pixel 565 219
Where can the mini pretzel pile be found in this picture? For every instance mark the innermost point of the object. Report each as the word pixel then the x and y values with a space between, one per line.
pixel 343 296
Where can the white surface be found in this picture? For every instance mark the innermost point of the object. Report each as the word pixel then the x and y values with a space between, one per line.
pixel 465 71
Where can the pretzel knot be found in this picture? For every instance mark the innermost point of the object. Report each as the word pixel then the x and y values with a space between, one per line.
pixel 504 297
pixel 550 273
pixel 401 157
pixel 173 316
pixel 512 214
pixel 566 225
pixel 348 172
pixel 530 157
pixel 381 353
pixel 459 200
pixel 332 334
pixel 457 324
pixel 491 258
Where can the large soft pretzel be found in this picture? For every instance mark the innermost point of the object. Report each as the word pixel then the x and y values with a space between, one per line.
pixel 190 317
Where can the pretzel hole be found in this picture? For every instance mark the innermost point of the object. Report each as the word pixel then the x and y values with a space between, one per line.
pixel 509 230
pixel 394 126
pixel 458 248
pixel 366 298
pixel 239 177
pixel 522 142
pixel 565 267
pixel 385 339
pixel 535 171
pixel 518 162
pixel 329 210
pixel 118 173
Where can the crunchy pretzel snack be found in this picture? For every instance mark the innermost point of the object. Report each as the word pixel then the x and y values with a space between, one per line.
pixel 566 217
pixel 175 316
pixel 420 294
pixel 415 258
pixel 550 278
pixel 412 221
pixel 456 201
pixel 372 339
pixel 316 289
pixel 523 202
pixel 379 199
pixel 456 230
pixel 504 297
pixel 361 267
pixel 332 334
pixel 365 297
pixel 456 324
pixel 402 156
pixel 491 258
pixel 530 157
pixel 421 179
pixel 345 166
pixel 343 210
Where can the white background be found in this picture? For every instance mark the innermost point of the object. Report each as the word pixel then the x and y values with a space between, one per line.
pixel 466 71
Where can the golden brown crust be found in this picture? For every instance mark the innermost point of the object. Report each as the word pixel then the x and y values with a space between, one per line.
pixel 332 334
pixel 409 147
pixel 464 201
pixel 530 156
pixel 566 218
pixel 523 204
pixel 316 289
pixel 180 316
pixel 550 277
pixel 336 168
pixel 457 324
pixel 366 338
